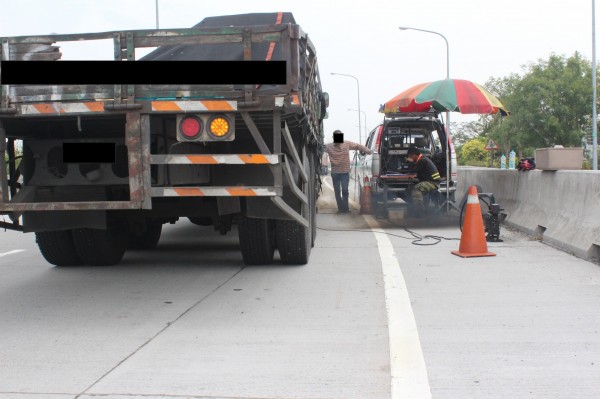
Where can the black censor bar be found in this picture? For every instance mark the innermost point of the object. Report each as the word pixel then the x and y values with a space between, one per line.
pixel 89 152
pixel 142 72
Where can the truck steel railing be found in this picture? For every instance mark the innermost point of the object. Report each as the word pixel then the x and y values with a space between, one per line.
pixel 138 103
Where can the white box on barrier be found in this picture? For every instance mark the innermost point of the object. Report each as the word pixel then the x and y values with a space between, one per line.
pixel 559 158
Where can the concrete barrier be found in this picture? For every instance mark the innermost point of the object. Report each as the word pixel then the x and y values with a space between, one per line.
pixel 562 208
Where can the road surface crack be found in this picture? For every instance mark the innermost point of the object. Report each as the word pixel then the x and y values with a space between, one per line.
pixel 160 332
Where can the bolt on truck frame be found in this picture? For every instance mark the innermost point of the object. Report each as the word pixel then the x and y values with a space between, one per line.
pixel 217 154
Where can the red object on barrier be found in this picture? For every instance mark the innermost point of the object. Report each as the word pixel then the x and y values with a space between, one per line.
pixel 472 240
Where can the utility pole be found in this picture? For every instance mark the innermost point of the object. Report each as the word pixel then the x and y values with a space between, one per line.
pixel 594 109
pixel 156 7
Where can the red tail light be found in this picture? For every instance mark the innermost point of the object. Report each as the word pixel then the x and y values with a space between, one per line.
pixel 378 140
pixel 190 127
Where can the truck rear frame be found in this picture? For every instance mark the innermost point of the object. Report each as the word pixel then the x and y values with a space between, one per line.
pixel 267 173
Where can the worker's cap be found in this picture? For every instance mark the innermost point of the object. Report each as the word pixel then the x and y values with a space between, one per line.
pixel 413 150
pixel 337 131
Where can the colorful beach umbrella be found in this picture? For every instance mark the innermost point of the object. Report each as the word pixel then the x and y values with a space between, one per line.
pixel 453 95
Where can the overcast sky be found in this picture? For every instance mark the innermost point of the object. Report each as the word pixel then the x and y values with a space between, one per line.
pixel 359 38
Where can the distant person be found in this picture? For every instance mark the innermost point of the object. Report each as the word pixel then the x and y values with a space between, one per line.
pixel 428 175
pixel 339 158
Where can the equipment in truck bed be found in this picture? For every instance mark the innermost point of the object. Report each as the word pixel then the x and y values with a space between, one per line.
pixel 229 51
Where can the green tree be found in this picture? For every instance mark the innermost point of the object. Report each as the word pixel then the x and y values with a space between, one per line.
pixel 549 105
pixel 465 131
pixel 473 153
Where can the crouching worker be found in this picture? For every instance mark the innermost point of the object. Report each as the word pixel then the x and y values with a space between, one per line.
pixel 428 176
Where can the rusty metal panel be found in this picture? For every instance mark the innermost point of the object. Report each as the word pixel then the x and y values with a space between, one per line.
pixel 44 93
pixel 4 91
pixel 70 206
pixel 186 40
pixel 179 92
pixel 125 43
pixel 35 52
pixel 295 48
pixel 3 172
pixel 133 141
pixel 146 173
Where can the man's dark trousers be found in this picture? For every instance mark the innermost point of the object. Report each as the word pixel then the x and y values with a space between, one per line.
pixel 340 187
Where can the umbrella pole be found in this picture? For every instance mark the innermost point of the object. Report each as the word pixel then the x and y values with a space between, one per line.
pixel 354 163
pixel 448 160
pixel 448 203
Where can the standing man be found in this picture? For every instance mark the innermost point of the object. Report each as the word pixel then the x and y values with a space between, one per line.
pixel 428 175
pixel 340 167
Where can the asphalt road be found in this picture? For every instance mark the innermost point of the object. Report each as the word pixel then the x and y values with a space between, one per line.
pixel 373 315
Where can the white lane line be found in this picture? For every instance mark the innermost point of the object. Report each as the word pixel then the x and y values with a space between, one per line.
pixel 409 374
pixel 14 251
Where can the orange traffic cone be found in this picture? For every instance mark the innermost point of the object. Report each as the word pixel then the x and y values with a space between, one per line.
pixel 366 207
pixel 472 240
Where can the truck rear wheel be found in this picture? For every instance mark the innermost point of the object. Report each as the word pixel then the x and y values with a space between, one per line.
pixel 99 247
pixel 295 241
pixel 58 248
pixel 257 241
pixel 313 200
pixel 148 239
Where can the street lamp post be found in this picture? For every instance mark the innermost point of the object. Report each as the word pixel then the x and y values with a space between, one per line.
pixel 594 109
pixel 358 90
pixel 365 115
pixel 448 160
pixel 443 37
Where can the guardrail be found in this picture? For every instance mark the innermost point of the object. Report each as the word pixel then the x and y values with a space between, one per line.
pixel 561 208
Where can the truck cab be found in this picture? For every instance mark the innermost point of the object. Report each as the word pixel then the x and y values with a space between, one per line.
pixel 385 169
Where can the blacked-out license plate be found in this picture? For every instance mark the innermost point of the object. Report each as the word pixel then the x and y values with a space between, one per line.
pixel 89 152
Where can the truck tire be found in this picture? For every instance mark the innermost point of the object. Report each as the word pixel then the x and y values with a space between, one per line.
pixel 313 200
pixel 295 241
pixel 58 248
pixel 147 239
pixel 257 241
pixel 98 247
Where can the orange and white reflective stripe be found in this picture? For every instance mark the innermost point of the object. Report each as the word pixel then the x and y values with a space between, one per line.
pixel 61 108
pixel 295 99
pixel 272 44
pixel 213 159
pixel 194 106
pixel 473 198
pixel 235 191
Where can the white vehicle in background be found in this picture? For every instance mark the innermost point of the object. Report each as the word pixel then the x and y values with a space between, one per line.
pixel 386 168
